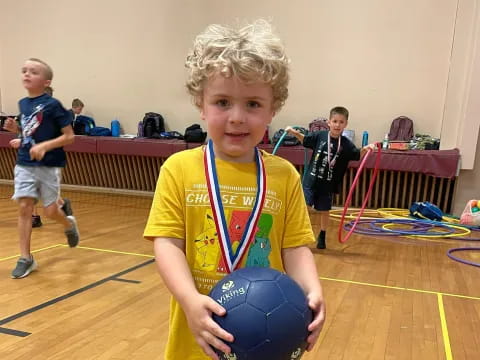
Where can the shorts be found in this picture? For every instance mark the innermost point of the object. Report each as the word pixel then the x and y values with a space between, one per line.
pixel 37 182
pixel 320 202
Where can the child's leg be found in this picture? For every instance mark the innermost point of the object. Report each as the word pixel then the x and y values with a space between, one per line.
pixel 323 204
pixel 26 206
pixel 324 220
pixel 49 194
pixel 36 220
pixel 65 204
pixel 26 193
pixel 53 212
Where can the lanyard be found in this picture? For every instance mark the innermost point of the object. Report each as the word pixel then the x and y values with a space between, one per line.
pixel 232 260
pixel 332 161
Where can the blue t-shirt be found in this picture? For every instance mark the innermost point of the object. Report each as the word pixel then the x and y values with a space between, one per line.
pixel 42 118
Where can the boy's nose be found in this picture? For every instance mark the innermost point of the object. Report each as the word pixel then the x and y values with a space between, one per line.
pixel 237 115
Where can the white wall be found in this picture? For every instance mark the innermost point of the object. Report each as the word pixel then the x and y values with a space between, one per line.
pixel 379 58
pixel 462 109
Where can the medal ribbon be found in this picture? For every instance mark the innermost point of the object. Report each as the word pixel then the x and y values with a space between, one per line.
pixel 232 260
pixel 331 162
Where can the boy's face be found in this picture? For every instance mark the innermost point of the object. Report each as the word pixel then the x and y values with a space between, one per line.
pixel 237 115
pixel 77 109
pixel 34 77
pixel 337 123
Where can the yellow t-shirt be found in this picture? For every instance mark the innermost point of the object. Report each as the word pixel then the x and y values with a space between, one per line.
pixel 181 209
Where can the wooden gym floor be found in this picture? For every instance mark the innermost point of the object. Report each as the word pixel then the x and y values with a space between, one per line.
pixel 104 300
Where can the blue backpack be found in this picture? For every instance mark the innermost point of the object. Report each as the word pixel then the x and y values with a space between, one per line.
pixel 426 210
pixel 100 131
pixel 83 125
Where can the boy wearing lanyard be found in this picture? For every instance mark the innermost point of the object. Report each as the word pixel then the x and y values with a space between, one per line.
pixel 331 153
pixel 228 205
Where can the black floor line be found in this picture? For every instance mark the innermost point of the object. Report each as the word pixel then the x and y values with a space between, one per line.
pixel 127 280
pixel 64 297
pixel 14 332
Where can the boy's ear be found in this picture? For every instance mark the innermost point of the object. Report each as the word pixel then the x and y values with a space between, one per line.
pixel 48 83
pixel 199 104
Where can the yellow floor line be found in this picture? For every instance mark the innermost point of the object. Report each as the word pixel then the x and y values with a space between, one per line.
pixel 33 251
pixel 443 320
pixel 400 288
pixel 112 251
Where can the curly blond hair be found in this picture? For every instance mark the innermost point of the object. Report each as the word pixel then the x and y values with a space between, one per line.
pixel 252 53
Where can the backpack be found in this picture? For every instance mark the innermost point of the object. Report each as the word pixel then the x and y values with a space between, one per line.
pixel 401 129
pixel 153 125
pixel 171 135
pixel 318 124
pixel 194 133
pixel 100 131
pixel 289 139
pixel 83 125
pixel 426 210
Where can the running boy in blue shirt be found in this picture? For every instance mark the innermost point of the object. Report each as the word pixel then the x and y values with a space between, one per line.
pixel 45 129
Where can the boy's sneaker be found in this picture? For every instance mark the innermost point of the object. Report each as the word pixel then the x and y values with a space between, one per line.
pixel 67 207
pixel 321 244
pixel 321 240
pixel 73 236
pixel 24 267
pixel 36 221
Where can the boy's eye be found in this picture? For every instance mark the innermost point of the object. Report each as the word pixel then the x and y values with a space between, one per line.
pixel 253 104
pixel 222 102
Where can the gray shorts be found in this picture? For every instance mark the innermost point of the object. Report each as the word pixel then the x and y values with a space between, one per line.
pixel 38 182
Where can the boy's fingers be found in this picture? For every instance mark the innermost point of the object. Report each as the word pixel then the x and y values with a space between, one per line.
pixel 207 349
pixel 216 308
pixel 220 333
pixel 218 344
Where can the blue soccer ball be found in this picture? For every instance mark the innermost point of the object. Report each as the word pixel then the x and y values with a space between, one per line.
pixel 267 313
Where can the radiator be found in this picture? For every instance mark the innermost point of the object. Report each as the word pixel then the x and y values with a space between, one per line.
pixel 392 189
pixel 397 189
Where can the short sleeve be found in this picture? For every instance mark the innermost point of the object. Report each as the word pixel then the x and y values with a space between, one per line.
pixel 166 218
pixel 310 140
pixel 62 116
pixel 298 228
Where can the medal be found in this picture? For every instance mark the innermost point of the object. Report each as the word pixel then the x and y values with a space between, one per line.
pixel 232 260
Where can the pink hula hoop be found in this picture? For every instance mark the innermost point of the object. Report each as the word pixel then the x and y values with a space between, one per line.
pixel 352 189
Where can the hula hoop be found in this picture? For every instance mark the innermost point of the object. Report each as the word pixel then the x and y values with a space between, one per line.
pixel 394 213
pixel 463 261
pixel 305 156
pixel 367 195
pixel 412 233
pixel 337 214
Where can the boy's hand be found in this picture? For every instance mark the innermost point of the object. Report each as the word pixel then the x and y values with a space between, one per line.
pixel 289 129
pixel 15 143
pixel 365 149
pixel 207 332
pixel 370 146
pixel 37 152
pixel 317 304
pixel 11 125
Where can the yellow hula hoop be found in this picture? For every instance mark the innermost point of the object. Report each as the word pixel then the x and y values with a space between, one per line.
pixel 449 219
pixel 466 231
pixel 394 213
pixel 373 214
pixel 337 213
